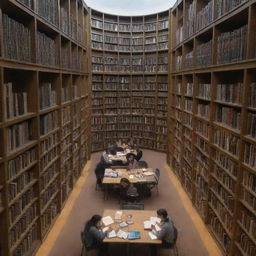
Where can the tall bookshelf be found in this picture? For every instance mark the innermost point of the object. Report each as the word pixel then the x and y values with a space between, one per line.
pixel 44 115
pixel 129 79
pixel 212 116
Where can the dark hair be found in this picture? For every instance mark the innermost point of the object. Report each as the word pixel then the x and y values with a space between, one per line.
pixel 162 212
pixel 92 222
pixel 125 181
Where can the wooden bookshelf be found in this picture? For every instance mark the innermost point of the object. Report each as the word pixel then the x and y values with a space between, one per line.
pixel 44 115
pixel 129 79
pixel 211 116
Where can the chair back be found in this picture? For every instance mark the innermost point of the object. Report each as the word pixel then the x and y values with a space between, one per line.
pixel 132 206
pixel 142 164
pixel 157 174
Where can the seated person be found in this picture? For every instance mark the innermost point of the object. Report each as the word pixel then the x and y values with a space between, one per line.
pixel 132 162
pixel 100 171
pixel 93 236
pixel 131 143
pixel 139 154
pixel 128 192
pixel 168 233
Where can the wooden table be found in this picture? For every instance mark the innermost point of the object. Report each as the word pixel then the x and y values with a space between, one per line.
pixel 138 217
pixel 134 176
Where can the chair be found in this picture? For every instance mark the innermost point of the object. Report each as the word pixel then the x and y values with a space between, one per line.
pixel 142 164
pixel 132 206
pixel 84 251
pixel 155 183
pixel 173 251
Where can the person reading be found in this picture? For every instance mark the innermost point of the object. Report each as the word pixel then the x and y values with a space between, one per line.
pixel 167 233
pixel 132 162
pixel 127 191
pixel 94 236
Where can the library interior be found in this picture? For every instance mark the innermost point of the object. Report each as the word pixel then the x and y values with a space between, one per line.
pixel 141 136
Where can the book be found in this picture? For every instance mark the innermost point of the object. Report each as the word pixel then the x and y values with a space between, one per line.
pixel 107 220
pixel 133 235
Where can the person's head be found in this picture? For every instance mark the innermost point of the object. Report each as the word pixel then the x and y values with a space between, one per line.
pixel 162 214
pixel 130 157
pixel 124 182
pixel 95 221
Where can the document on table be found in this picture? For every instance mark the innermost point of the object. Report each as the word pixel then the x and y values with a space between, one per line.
pixel 155 220
pixel 118 215
pixel 107 220
pixel 152 235
pixel 122 234
pixel 112 234
pixel 148 173
pixel 147 224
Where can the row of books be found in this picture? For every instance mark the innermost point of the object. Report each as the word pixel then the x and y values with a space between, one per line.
pixel 17 185
pixel 14 35
pixel 221 209
pixel 250 154
pixel 252 95
pixel 219 231
pixel 249 180
pixel 224 6
pixel 48 194
pixel 203 145
pixel 246 244
pixel 130 27
pixel 225 162
pixel 49 143
pixel 47 50
pixel 228 116
pixel 203 54
pixel 19 135
pixel 48 175
pixel 47 95
pixel 231 93
pixel 16 102
pixel 231 45
pixel 48 122
pixel 224 178
pixel 21 162
pixel 227 141
pixel 49 215
pixel 48 158
pixel 64 24
pixel 251 124
pixel 48 9
pixel 27 242
pixel 128 48
pixel 28 3
pixel 248 220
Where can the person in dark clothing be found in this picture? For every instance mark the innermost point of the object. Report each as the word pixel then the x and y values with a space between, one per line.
pixel 127 191
pixel 168 233
pixel 100 171
pixel 93 236
pixel 139 154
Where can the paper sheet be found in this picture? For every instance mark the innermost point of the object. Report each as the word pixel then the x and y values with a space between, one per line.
pixel 152 236
pixel 107 220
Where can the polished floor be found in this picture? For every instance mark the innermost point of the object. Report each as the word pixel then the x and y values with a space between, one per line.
pixel 84 201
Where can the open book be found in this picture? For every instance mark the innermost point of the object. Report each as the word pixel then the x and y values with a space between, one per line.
pixel 107 220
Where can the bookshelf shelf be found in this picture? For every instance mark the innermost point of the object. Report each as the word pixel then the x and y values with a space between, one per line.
pixel 211 106
pixel 44 73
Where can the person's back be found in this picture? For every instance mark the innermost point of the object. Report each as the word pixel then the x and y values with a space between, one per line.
pixel 100 172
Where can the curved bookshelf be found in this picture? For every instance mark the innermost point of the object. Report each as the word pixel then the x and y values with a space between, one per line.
pixel 129 79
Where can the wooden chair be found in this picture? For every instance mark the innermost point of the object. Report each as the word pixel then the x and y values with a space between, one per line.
pixel 154 184
pixel 169 251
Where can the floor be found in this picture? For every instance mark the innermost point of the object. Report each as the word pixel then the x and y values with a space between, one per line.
pixel 84 201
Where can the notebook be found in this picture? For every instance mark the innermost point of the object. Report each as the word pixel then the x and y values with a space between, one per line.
pixel 134 235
